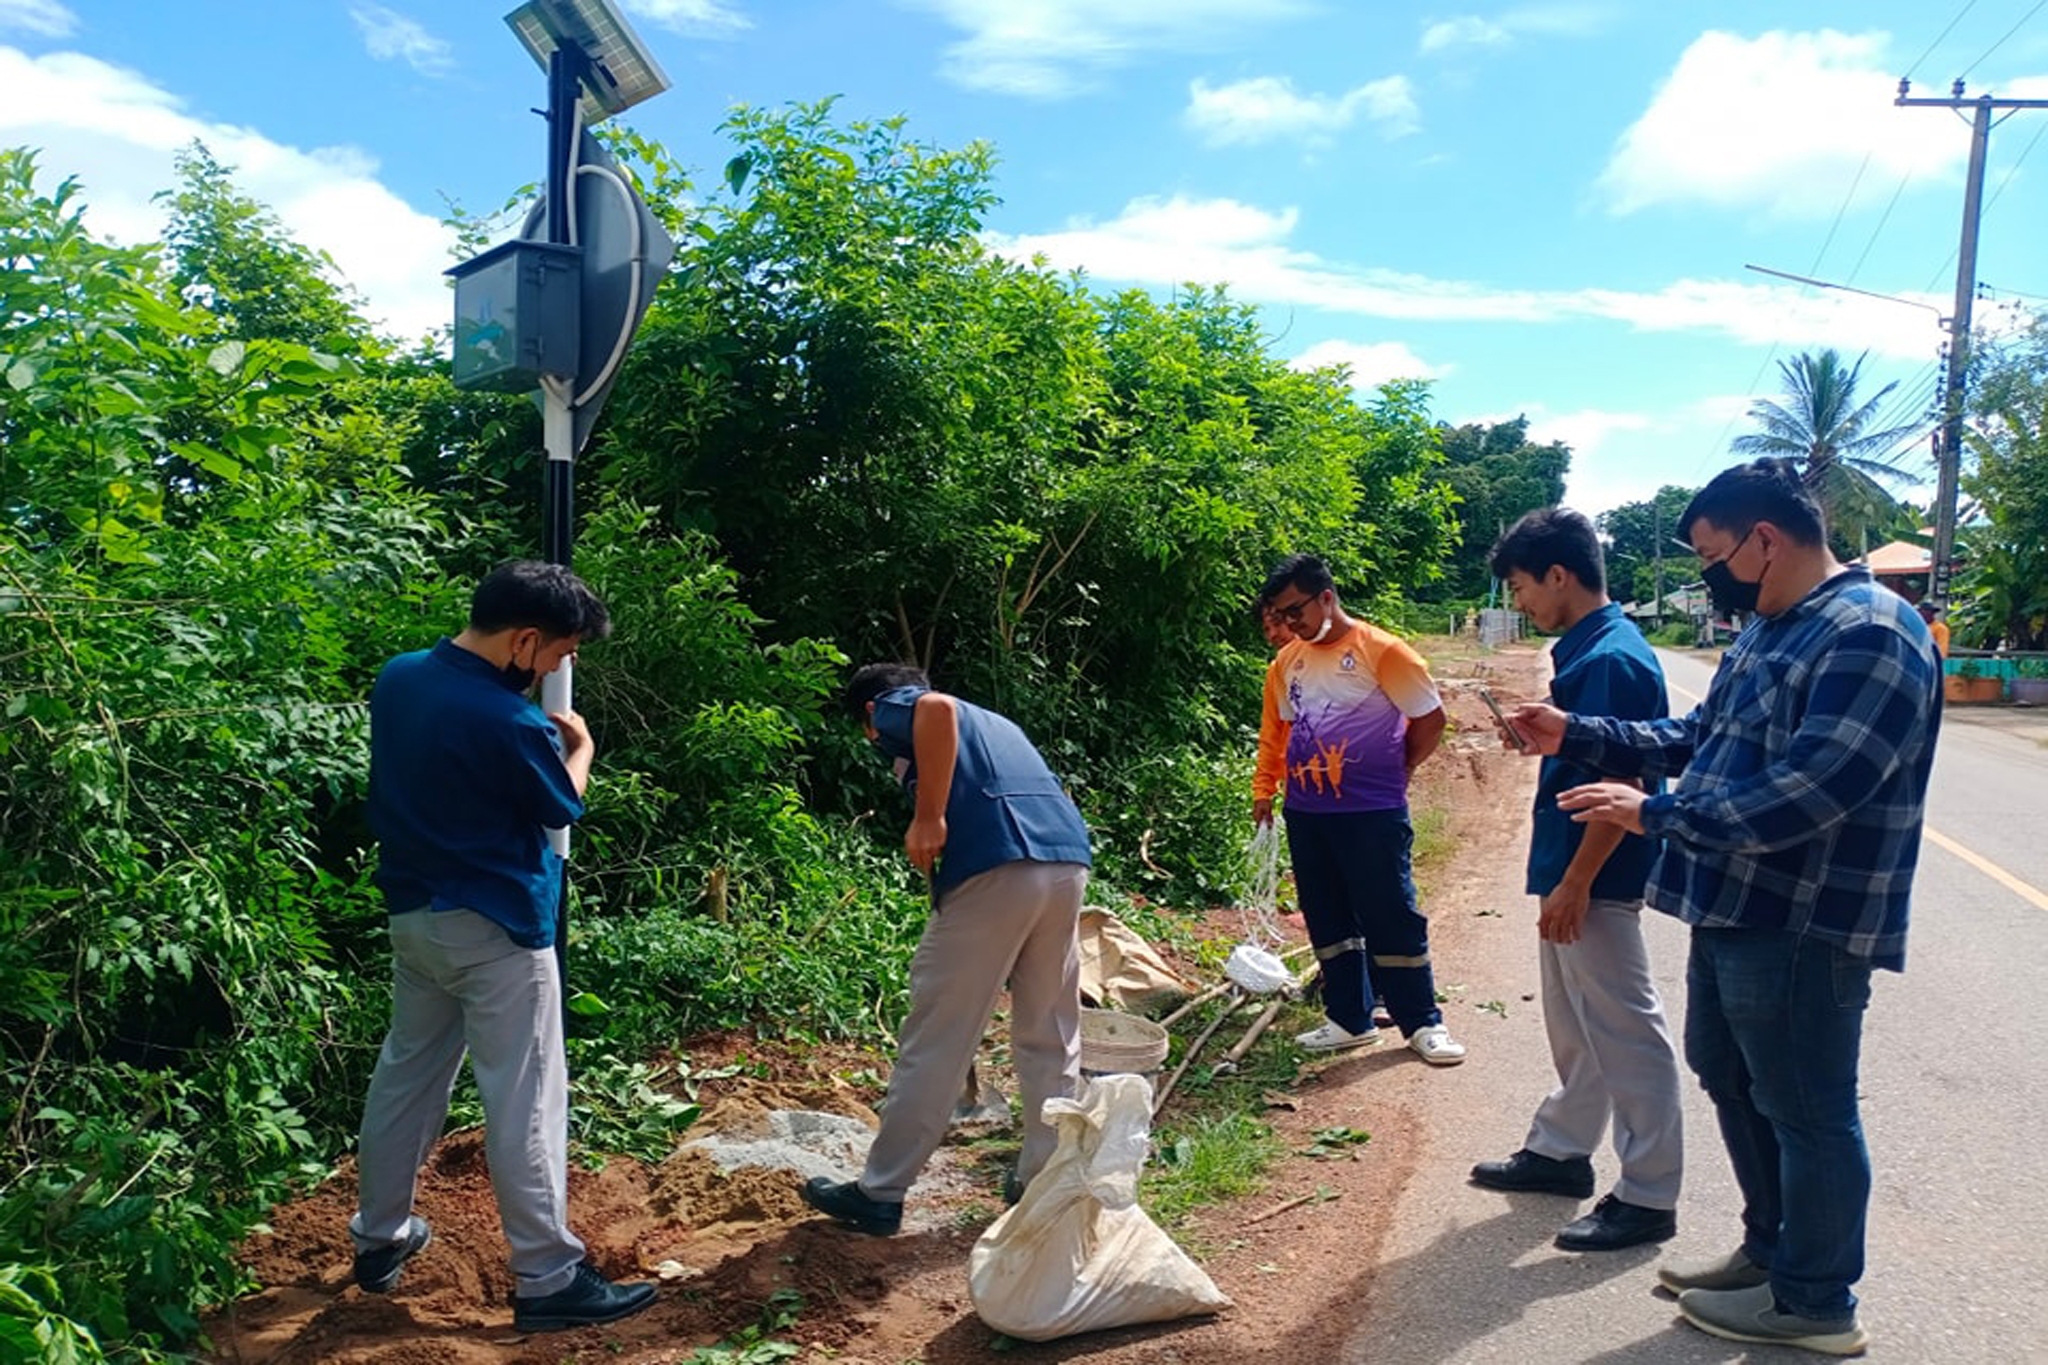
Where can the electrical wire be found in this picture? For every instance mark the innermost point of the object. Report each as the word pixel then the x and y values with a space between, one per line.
pixel 2038 6
pixel 1967 7
pixel 1879 229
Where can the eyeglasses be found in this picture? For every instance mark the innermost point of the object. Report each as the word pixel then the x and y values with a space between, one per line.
pixel 1293 610
pixel 1735 550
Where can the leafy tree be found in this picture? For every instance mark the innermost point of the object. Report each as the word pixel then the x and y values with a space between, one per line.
pixel 1822 427
pixel 231 256
pixel 184 627
pixel 2002 594
pixel 1637 534
pixel 919 450
pixel 1497 474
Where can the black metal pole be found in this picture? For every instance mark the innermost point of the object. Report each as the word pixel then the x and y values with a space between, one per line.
pixel 566 68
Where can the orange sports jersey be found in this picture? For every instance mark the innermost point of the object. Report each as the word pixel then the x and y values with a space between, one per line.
pixel 1336 714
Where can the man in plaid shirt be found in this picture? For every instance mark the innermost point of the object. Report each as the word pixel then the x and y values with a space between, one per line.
pixel 1790 838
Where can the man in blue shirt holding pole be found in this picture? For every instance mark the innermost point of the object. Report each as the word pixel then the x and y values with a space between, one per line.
pixel 466 778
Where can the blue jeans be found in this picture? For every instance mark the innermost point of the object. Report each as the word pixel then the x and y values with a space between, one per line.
pixel 1351 871
pixel 1774 1030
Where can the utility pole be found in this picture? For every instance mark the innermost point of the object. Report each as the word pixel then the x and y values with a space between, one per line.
pixel 1949 458
pixel 1657 545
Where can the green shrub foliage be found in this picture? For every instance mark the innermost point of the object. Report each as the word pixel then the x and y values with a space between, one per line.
pixel 849 430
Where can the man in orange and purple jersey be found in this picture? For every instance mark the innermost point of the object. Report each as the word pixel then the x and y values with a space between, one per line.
pixel 1350 712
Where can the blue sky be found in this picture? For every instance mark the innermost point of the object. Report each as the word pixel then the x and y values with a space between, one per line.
pixel 1544 209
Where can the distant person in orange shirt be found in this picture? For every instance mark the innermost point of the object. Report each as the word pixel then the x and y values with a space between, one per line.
pixel 1350 711
pixel 1936 627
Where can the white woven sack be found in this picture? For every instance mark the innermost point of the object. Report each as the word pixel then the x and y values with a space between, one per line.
pixel 1077 1254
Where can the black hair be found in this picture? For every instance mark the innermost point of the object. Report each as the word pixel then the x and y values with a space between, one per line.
pixel 1548 536
pixel 527 592
pixel 1304 572
pixel 872 680
pixel 1770 490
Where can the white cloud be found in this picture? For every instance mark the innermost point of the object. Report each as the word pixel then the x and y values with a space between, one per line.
pixel 1052 48
pixel 1165 242
pixel 692 18
pixel 1467 30
pixel 45 18
pixel 119 134
pixel 1267 108
pixel 388 35
pixel 1371 363
pixel 1472 30
pixel 1780 122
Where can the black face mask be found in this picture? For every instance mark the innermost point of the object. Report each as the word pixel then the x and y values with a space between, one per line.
pixel 515 678
pixel 1731 594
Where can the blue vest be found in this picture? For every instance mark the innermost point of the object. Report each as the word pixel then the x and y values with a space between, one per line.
pixel 1005 805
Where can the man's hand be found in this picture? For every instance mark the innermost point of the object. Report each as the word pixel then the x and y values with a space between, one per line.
pixel 1564 913
pixel 574 730
pixel 924 841
pixel 1605 803
pixel 1541 725
pixel 1262 811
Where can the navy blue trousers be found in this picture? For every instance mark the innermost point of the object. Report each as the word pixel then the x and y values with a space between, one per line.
pixel 1352 875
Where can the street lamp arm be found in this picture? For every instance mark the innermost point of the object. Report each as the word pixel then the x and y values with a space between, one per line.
pixel 1848 289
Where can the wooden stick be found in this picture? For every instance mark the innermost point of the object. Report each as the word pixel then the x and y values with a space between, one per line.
pixel 1196 1003
pixel 1229 1008
pixel 1251 1035
pixel 1293 1203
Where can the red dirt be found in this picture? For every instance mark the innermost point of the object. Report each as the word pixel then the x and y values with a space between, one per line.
pixel 868 1301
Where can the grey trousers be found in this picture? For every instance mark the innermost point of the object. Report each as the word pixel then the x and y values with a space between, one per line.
pixel 1614 1057
pixel 1017 921
pixel 458 983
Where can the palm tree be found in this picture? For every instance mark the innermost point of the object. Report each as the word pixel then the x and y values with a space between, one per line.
pixel 1823 429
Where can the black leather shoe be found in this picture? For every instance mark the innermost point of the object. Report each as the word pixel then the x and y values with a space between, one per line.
pixel 1614 1224
pixel 1525 1170
pixel 851 1206
pixel 589 1298
pixel 1013 1188
pixel 377 1271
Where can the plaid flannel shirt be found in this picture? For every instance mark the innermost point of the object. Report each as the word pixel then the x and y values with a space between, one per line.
pixel 1804 773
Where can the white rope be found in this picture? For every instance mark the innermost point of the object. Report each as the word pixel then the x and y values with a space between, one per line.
pixel 1253 964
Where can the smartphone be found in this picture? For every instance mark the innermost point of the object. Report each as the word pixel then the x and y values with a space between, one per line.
pixel 1505 723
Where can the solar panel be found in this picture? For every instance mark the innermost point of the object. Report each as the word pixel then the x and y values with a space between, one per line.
pixel 622 71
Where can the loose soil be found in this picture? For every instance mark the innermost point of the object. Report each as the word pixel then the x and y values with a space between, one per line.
pixel 735 1244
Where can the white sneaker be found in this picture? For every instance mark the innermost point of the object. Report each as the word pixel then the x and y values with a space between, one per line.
pixel 1434 1044
pixel 1330 1036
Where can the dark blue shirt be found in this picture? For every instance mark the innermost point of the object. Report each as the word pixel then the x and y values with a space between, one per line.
pixel 1804 773
pixel 1602 667
pixel 466 776
pixel 1005 805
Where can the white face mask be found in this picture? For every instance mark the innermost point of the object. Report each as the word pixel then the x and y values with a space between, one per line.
pixel 1329 619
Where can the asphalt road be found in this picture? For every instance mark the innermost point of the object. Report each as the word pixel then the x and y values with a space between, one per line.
pixel 1955 1106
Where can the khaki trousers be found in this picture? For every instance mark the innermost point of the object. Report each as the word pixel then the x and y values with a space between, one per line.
pixel 1614 1057
pixel 1017 921
pixel 458 984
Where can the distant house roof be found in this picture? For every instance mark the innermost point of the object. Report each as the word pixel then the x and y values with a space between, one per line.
pixel 1899 557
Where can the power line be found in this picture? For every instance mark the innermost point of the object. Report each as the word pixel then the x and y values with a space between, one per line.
pixel 1721 441
pixel 2038 6
pixel 2014 168
pixel 1972 4
pixel 1832 227
pixel 1876 231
